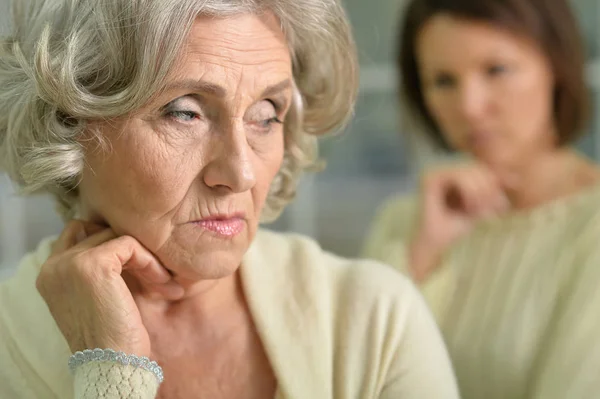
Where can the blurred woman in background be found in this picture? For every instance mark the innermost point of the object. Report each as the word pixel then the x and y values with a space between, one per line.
pixel 506 246
pixel 168 131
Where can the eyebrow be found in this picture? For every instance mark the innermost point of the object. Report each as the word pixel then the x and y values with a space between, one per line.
pixel 277 88
pixel 199 86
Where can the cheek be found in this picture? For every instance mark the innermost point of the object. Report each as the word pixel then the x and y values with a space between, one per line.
pixel 159 171
pixel 269 161
pixel 135 179
pixel 442 108
pixel 273 165
pixel 528 107
pixel 437 105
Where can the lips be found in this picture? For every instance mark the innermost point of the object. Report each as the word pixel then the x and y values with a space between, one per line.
pixel 224 226
pixel 479 138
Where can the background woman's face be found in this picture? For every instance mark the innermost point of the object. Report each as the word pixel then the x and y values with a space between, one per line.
pixel 188 175
pixel 490 92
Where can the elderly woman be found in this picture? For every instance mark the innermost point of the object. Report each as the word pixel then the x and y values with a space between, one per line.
pixel 167 130
pixel 506 245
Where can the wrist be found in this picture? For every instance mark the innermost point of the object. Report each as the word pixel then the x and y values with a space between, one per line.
pixel 82 358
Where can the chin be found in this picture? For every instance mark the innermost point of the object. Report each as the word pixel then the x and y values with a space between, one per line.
pixel 498 160
pixel 206 266
pixel 489 155
pixel 195 256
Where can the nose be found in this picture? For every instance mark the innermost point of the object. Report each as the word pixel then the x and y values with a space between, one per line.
pixel 472 99
pixel 231 167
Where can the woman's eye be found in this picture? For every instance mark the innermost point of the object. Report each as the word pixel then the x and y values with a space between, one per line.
pixel 264 115
pixel 498 69
pixel 271 121
pixel 184 109
pixel 443 81
pixel 183 116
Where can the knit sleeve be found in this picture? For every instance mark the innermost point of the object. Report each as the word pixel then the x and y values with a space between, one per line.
pixel 108 380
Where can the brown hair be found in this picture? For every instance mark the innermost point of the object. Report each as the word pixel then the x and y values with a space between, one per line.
pixel 549 23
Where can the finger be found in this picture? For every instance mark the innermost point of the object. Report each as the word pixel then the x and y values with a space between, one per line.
pixel 496 200
pixel 469 191
pixel 129 254
pixel 68 237
pixel 93 241
pixel 449 191
pixel 75 232
pixel 92 229
pixel 434 187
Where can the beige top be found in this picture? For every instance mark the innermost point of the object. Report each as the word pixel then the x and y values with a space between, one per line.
pixel 517 300
pixel 331 327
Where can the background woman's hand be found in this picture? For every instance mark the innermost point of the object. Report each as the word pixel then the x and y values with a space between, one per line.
pixel 82 285
pixel 452 200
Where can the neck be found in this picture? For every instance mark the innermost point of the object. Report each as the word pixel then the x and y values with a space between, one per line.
pixel 546 177
pixel 205 299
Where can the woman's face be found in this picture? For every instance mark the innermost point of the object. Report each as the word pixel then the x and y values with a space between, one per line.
pixel 489 91
pixel 188 175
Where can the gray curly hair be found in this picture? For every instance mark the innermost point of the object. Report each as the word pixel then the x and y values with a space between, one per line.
pixel 69 62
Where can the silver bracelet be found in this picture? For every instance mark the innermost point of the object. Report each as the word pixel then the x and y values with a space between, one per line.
pixel 108 355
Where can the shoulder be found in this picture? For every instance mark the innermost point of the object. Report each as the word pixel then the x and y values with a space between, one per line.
pixel 399 205
pixel 391 228
pixel 302 254
pixel 396 215
pixel 30 336
pixel 579 227
pixel 354 321
pixel 21 285
pixel 581 236
pixel 364 318
pixel 347 285
pixel 24 306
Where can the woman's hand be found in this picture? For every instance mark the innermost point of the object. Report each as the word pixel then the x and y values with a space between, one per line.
pixel 452 200
pixel 82 285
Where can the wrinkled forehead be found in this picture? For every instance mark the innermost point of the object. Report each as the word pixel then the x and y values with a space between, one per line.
pixel 244 49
